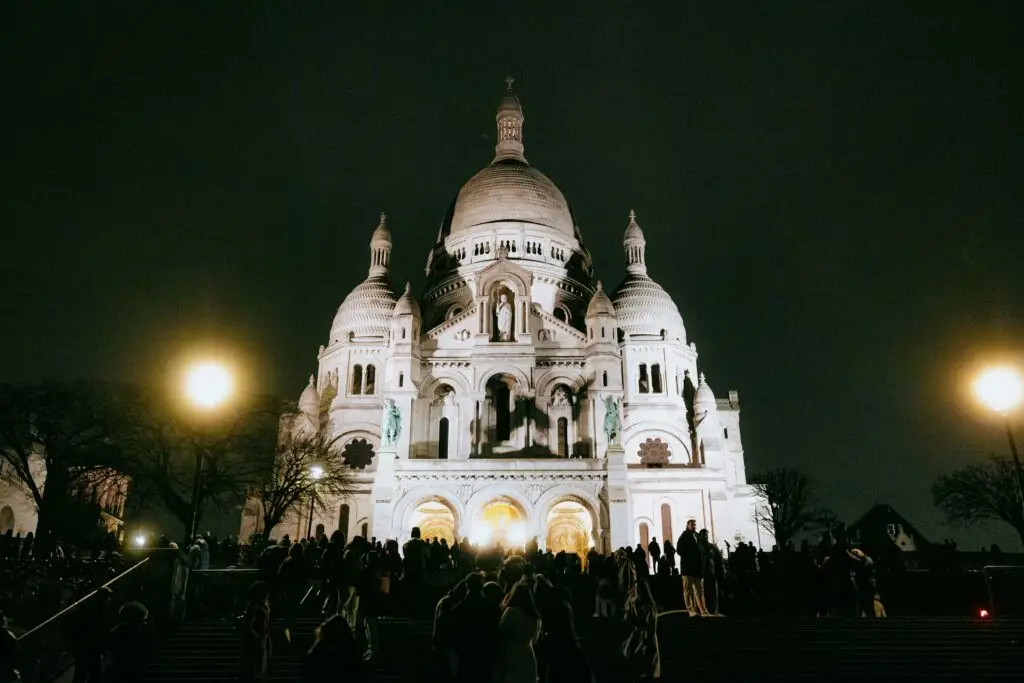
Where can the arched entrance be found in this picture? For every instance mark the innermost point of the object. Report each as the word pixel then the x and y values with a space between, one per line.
pixel 435 519
pixel 500 522
pixel 570 528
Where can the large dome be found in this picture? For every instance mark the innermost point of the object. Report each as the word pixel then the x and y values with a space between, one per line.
pixel 511 190
pixel 643 307
pixel 366 311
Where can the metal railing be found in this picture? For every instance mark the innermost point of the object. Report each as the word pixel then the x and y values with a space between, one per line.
pixel 45 650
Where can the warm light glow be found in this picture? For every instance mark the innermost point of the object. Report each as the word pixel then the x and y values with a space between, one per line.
pixel 316 471
pixel 208 385
pixel 480 534
pixel 140 540
pixel 983 613
pixel 1001 389
pixel 517 534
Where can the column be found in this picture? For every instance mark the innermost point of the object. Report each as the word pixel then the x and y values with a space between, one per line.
pixel 619 509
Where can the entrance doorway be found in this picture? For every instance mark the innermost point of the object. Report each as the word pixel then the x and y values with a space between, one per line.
pixel 570 529
pixel 435 519
pixel 501 521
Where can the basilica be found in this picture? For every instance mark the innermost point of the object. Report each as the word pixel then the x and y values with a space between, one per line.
pixel 516 399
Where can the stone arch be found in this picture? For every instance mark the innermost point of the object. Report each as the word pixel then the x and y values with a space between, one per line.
pixel 500 492
pixel 549 380
pixel 677 438
pixel 504 277
pixel 414 498
pixel 456 380
pixel 522 381
pixel 651 526
pixel 569 493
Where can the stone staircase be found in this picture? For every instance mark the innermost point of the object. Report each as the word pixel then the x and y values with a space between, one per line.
pixel 207 652
pixel 691 649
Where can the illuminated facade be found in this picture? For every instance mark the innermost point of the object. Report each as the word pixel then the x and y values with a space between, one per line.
pixel 503 374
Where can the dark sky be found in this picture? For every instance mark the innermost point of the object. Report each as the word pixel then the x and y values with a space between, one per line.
pixel 831 191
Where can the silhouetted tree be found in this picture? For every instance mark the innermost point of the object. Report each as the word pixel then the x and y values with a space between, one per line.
pixel 980 493
pixel 162 447
pixel 288 484
pixel 786 497
pixel 55 439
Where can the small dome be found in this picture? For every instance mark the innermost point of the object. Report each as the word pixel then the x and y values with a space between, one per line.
pixel 511 190
pixel 309 401
pixel 366 311
pixel 704 395
pixel 600 304
pixel 381 233
pixel 633 230
pixel 407 304
pixel 643 307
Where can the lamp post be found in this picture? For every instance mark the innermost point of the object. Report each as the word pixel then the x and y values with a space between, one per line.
pixel 315 472
pixel 208 386
pixel 1001 389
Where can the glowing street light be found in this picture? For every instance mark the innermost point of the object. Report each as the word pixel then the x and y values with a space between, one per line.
pixel 140 540
pixel 1001 389
pixel 208 385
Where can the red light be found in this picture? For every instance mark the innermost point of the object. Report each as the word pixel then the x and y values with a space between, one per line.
pixel 983 613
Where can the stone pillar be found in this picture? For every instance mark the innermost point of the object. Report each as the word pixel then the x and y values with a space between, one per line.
pixel 381 495
pixel 620 512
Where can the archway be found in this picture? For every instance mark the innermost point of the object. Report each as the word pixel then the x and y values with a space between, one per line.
pixel 435 519
pixel 500 521
pixel 570 528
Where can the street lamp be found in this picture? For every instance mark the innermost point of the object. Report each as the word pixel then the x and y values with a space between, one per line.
pixel 315 472
pixel 207 385
pixel 1001 389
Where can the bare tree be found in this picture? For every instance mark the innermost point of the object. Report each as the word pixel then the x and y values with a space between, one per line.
pixel 163 451
pixel 786 496
pixel 981 493
pixel 289 482
pixel 55 439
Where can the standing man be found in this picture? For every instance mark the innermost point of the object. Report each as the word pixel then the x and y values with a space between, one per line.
pixel 691 566
pixel 654 551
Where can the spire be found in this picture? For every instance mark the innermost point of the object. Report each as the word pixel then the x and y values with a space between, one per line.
pixel 380 248
pixel 312 380
pixel 636 246
pixel 510 127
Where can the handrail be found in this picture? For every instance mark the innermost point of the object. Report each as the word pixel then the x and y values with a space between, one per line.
pixel 75 604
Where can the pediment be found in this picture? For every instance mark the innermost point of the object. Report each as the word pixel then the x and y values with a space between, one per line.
pixel 458 328
pixel 507 272
pixel 547 328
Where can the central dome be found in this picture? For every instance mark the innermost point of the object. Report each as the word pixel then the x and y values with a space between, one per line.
pixel 511 190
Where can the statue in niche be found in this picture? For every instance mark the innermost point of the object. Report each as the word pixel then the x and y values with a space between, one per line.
pixel 612 422
pixel 504 316
pixel 392 422
pixel 560 399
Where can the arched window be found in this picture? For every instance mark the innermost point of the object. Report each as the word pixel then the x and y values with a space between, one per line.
pixel 371 379
pixel 666 522
pixel 365 530
pixel 645 535
pixel 562 313
pixel 401 379
pixel 604 378
pixel 656 378
pixel 343 514
pixel 503 412
pixel 644 383
pixel 453 311
pixel 442 439
pixel 403 333
pixel 563 437
pixel 357 380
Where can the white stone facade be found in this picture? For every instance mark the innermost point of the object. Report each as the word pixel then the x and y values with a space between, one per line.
pixel 500 372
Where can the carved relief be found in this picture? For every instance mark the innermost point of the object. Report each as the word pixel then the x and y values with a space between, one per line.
pixel 462 335
pixel 533 492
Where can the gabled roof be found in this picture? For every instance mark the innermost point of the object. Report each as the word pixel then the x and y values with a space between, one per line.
pixel 882 514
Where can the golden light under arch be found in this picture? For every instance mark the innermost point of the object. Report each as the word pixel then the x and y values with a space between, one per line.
pixel 570 528
pixel 435 520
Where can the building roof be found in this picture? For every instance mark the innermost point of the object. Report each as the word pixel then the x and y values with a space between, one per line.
pixel 881 515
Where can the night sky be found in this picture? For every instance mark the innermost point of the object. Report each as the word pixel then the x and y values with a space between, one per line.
pixel 831 192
